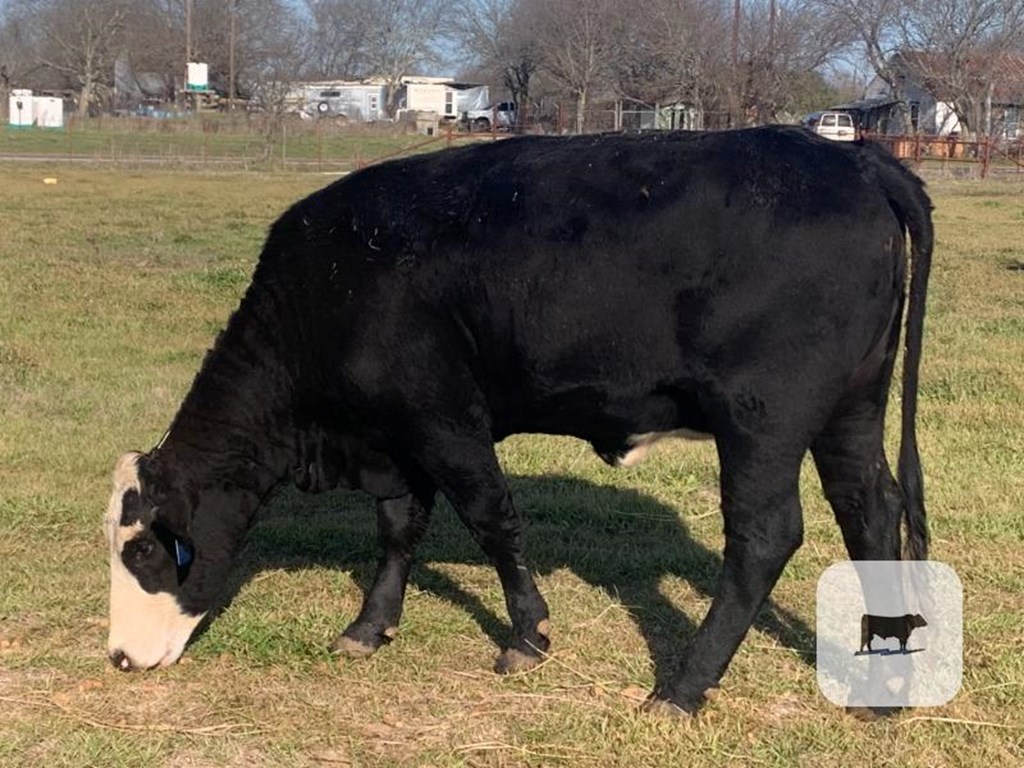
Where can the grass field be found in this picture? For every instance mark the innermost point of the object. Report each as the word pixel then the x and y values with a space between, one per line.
pixel 220 142
pixel 112 285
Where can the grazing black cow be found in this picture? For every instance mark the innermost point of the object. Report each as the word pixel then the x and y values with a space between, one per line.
pixel 744 286
pixel 884 627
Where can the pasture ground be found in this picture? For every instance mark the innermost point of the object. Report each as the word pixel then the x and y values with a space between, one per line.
pixel 112 285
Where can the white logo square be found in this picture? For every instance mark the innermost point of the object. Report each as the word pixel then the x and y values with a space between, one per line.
pixel 890 633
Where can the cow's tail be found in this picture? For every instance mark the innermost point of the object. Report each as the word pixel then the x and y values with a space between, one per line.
pixel 910 202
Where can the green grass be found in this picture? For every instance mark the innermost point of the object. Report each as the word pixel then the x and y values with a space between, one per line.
pixel 112 285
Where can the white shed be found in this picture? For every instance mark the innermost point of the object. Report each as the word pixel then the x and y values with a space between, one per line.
pixel 49 111
pixel 21 111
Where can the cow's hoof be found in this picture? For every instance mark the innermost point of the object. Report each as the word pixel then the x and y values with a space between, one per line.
pixel 513 660
pixel 352 648
pixel 659 707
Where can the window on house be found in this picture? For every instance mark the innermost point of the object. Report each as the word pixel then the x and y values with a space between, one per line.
pixel 1013 122
pixel 449 103
pixel 915 115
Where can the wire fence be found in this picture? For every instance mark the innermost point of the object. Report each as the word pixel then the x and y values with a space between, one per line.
pixel 244 142
pixel 261 142
pixel 983 157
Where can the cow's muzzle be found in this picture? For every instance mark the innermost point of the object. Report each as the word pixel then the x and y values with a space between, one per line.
pixel 120 661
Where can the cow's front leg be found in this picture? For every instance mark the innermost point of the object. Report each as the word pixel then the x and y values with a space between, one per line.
pixel 466 470
pixel 763 528
pixel 401 523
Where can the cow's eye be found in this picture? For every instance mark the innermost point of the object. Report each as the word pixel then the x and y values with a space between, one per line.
pixel 138 549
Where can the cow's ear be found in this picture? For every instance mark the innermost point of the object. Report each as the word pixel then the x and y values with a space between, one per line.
pixel 126 471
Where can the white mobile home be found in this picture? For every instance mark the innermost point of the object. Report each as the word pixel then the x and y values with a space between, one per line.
pixel 362 101
pixel 444 97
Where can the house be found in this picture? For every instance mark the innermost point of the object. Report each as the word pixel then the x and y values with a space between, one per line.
pixel 990 96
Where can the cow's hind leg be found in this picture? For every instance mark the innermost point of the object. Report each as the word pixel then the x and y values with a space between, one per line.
pixel 858 483
pixel 864 496
pixel 401 523
pixel 763 528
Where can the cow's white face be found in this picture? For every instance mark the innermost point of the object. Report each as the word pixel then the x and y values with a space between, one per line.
pixel 148 626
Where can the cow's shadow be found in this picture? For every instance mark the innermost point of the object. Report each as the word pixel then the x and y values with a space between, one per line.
pixel 888 652
pixel 617 539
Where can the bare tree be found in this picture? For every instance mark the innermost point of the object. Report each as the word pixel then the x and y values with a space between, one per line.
pixel 960 50
pixel 335 40
pixel 782 44
pixel 401 35
pixel 79 40
pixel 496 34
pixel 265 38
pixel 15 55
pixel 268 59
pixel 673 52
pixel 575 39
pixel 955 48
pixel 153 51
pixel 872 29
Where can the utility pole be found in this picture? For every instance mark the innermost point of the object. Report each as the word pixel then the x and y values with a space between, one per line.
pixel 736 35
pixel 188 31
pixel 185 95
pixel 231 55
pixel 735 107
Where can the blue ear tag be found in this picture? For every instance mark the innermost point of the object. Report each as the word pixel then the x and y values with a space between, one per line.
pixel 182 554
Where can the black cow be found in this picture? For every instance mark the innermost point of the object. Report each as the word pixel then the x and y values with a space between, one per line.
pixel 746 286
pixel 884 627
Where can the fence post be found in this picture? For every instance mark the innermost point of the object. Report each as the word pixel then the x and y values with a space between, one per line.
pixel 917 148
pixel 985 156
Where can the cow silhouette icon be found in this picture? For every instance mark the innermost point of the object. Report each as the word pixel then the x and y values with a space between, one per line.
pixel 885 627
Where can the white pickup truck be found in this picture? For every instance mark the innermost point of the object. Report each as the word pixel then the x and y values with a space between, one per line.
pixel 838 126
pixel 503 116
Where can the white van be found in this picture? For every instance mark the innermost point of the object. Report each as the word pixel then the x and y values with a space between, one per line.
pixel 838 126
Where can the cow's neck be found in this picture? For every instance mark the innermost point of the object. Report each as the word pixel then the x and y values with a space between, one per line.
pixel 235 427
